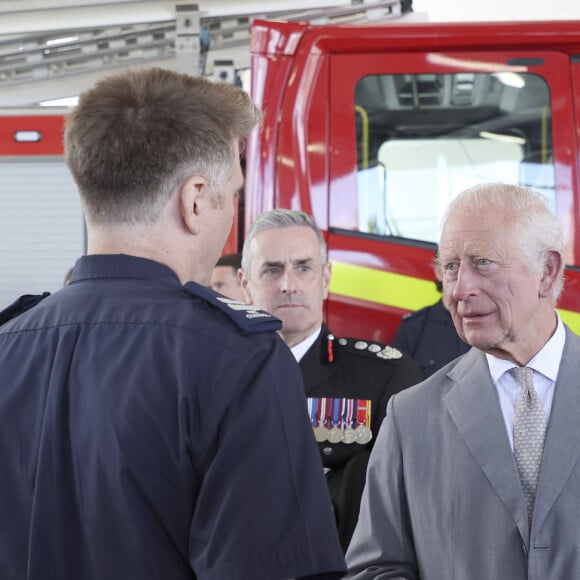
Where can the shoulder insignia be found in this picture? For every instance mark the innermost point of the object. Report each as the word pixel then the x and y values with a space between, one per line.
pixel 379 350
pixel 20 305
pixel 390 352
pixel 247 317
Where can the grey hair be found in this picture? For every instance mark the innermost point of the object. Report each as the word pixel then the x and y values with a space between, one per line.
pixel 278 219
pixel 536 229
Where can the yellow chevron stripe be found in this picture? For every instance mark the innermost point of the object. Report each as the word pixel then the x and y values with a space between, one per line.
pixel 571 318
pixel 405 292
pixel 382 287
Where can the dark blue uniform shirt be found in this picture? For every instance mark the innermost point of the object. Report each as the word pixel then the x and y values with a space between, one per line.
pixel 150 431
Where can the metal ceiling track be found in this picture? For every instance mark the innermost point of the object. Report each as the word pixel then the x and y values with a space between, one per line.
pixel 71 38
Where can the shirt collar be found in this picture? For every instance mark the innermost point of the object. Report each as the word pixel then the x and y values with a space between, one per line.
pixel 546 361
pixel 120 266
pixel 300 349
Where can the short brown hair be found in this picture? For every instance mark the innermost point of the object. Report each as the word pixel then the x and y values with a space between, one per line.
pixel 136 136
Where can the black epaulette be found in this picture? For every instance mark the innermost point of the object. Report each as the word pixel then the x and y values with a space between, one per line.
pixel 20 305
pixel 362 347
pixel 247 317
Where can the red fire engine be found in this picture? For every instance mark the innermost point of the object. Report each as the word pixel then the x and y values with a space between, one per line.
pixel 374 128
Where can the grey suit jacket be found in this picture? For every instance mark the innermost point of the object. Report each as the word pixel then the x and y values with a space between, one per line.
pixel 443 499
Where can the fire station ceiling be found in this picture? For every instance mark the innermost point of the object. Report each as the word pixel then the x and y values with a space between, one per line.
pixel 53 49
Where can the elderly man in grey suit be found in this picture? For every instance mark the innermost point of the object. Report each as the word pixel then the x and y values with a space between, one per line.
pixel 475 474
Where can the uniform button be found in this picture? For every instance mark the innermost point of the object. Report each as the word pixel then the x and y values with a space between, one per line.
pixel 327 450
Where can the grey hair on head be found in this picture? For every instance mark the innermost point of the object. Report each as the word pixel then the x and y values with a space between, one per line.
pixel 536 229
pixel 277 219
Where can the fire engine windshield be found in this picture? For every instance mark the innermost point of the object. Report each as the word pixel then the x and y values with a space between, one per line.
pixel 424 138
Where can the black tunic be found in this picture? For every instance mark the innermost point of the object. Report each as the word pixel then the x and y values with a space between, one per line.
pixel 360 369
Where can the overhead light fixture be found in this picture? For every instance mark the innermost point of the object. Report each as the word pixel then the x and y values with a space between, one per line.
pixel 510 79
pixel 505 138
pixel 61 40
pixel 63 102
pixel 27 136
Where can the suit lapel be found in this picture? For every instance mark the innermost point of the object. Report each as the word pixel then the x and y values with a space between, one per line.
pixel 561 449
pixel 474 408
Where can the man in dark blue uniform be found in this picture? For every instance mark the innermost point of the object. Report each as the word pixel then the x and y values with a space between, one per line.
pixel 348 381
pixel 429 337
pixel 149 428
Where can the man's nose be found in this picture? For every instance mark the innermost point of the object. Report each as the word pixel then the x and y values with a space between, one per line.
pixel 465 283
pixel 288 282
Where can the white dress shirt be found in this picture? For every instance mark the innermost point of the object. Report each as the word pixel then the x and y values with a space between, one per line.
pixel 300 349
pixel 545 366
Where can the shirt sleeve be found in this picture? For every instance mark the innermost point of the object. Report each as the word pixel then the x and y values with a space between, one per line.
pixel 263 510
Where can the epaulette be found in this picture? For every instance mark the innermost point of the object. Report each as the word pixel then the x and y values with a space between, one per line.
pixel 363 347
pixel 20 305
pixel 247 317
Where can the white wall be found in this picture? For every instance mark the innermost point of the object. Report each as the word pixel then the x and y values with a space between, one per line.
pixel 42 229
pixel 469 10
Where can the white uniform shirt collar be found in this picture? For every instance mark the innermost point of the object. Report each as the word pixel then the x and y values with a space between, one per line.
pixel 300 349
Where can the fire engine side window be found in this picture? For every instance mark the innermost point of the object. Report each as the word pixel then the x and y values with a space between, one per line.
pixel 421 139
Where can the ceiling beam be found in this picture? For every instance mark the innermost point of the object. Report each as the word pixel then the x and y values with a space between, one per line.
pixel 33 16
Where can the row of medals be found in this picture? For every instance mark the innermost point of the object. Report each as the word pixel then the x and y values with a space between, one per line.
pixel 361 434
pixel 342 432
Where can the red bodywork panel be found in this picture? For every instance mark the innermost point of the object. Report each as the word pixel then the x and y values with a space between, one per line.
pixel 46 129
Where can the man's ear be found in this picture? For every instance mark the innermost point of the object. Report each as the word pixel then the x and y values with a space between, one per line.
pixel 326 275
pixel 551 273
pixel 193 194
pixel 245 287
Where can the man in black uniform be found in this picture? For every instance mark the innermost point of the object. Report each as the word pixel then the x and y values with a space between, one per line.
pixel 138 440
pixel 348 381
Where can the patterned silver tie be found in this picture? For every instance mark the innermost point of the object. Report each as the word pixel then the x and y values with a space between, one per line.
pixel 529 435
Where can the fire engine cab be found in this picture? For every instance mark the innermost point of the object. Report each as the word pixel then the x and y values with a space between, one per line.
pixel 374 128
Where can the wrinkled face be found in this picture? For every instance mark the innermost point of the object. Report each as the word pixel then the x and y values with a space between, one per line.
pixel 493 296
pixel 288 279
pixel 224 279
